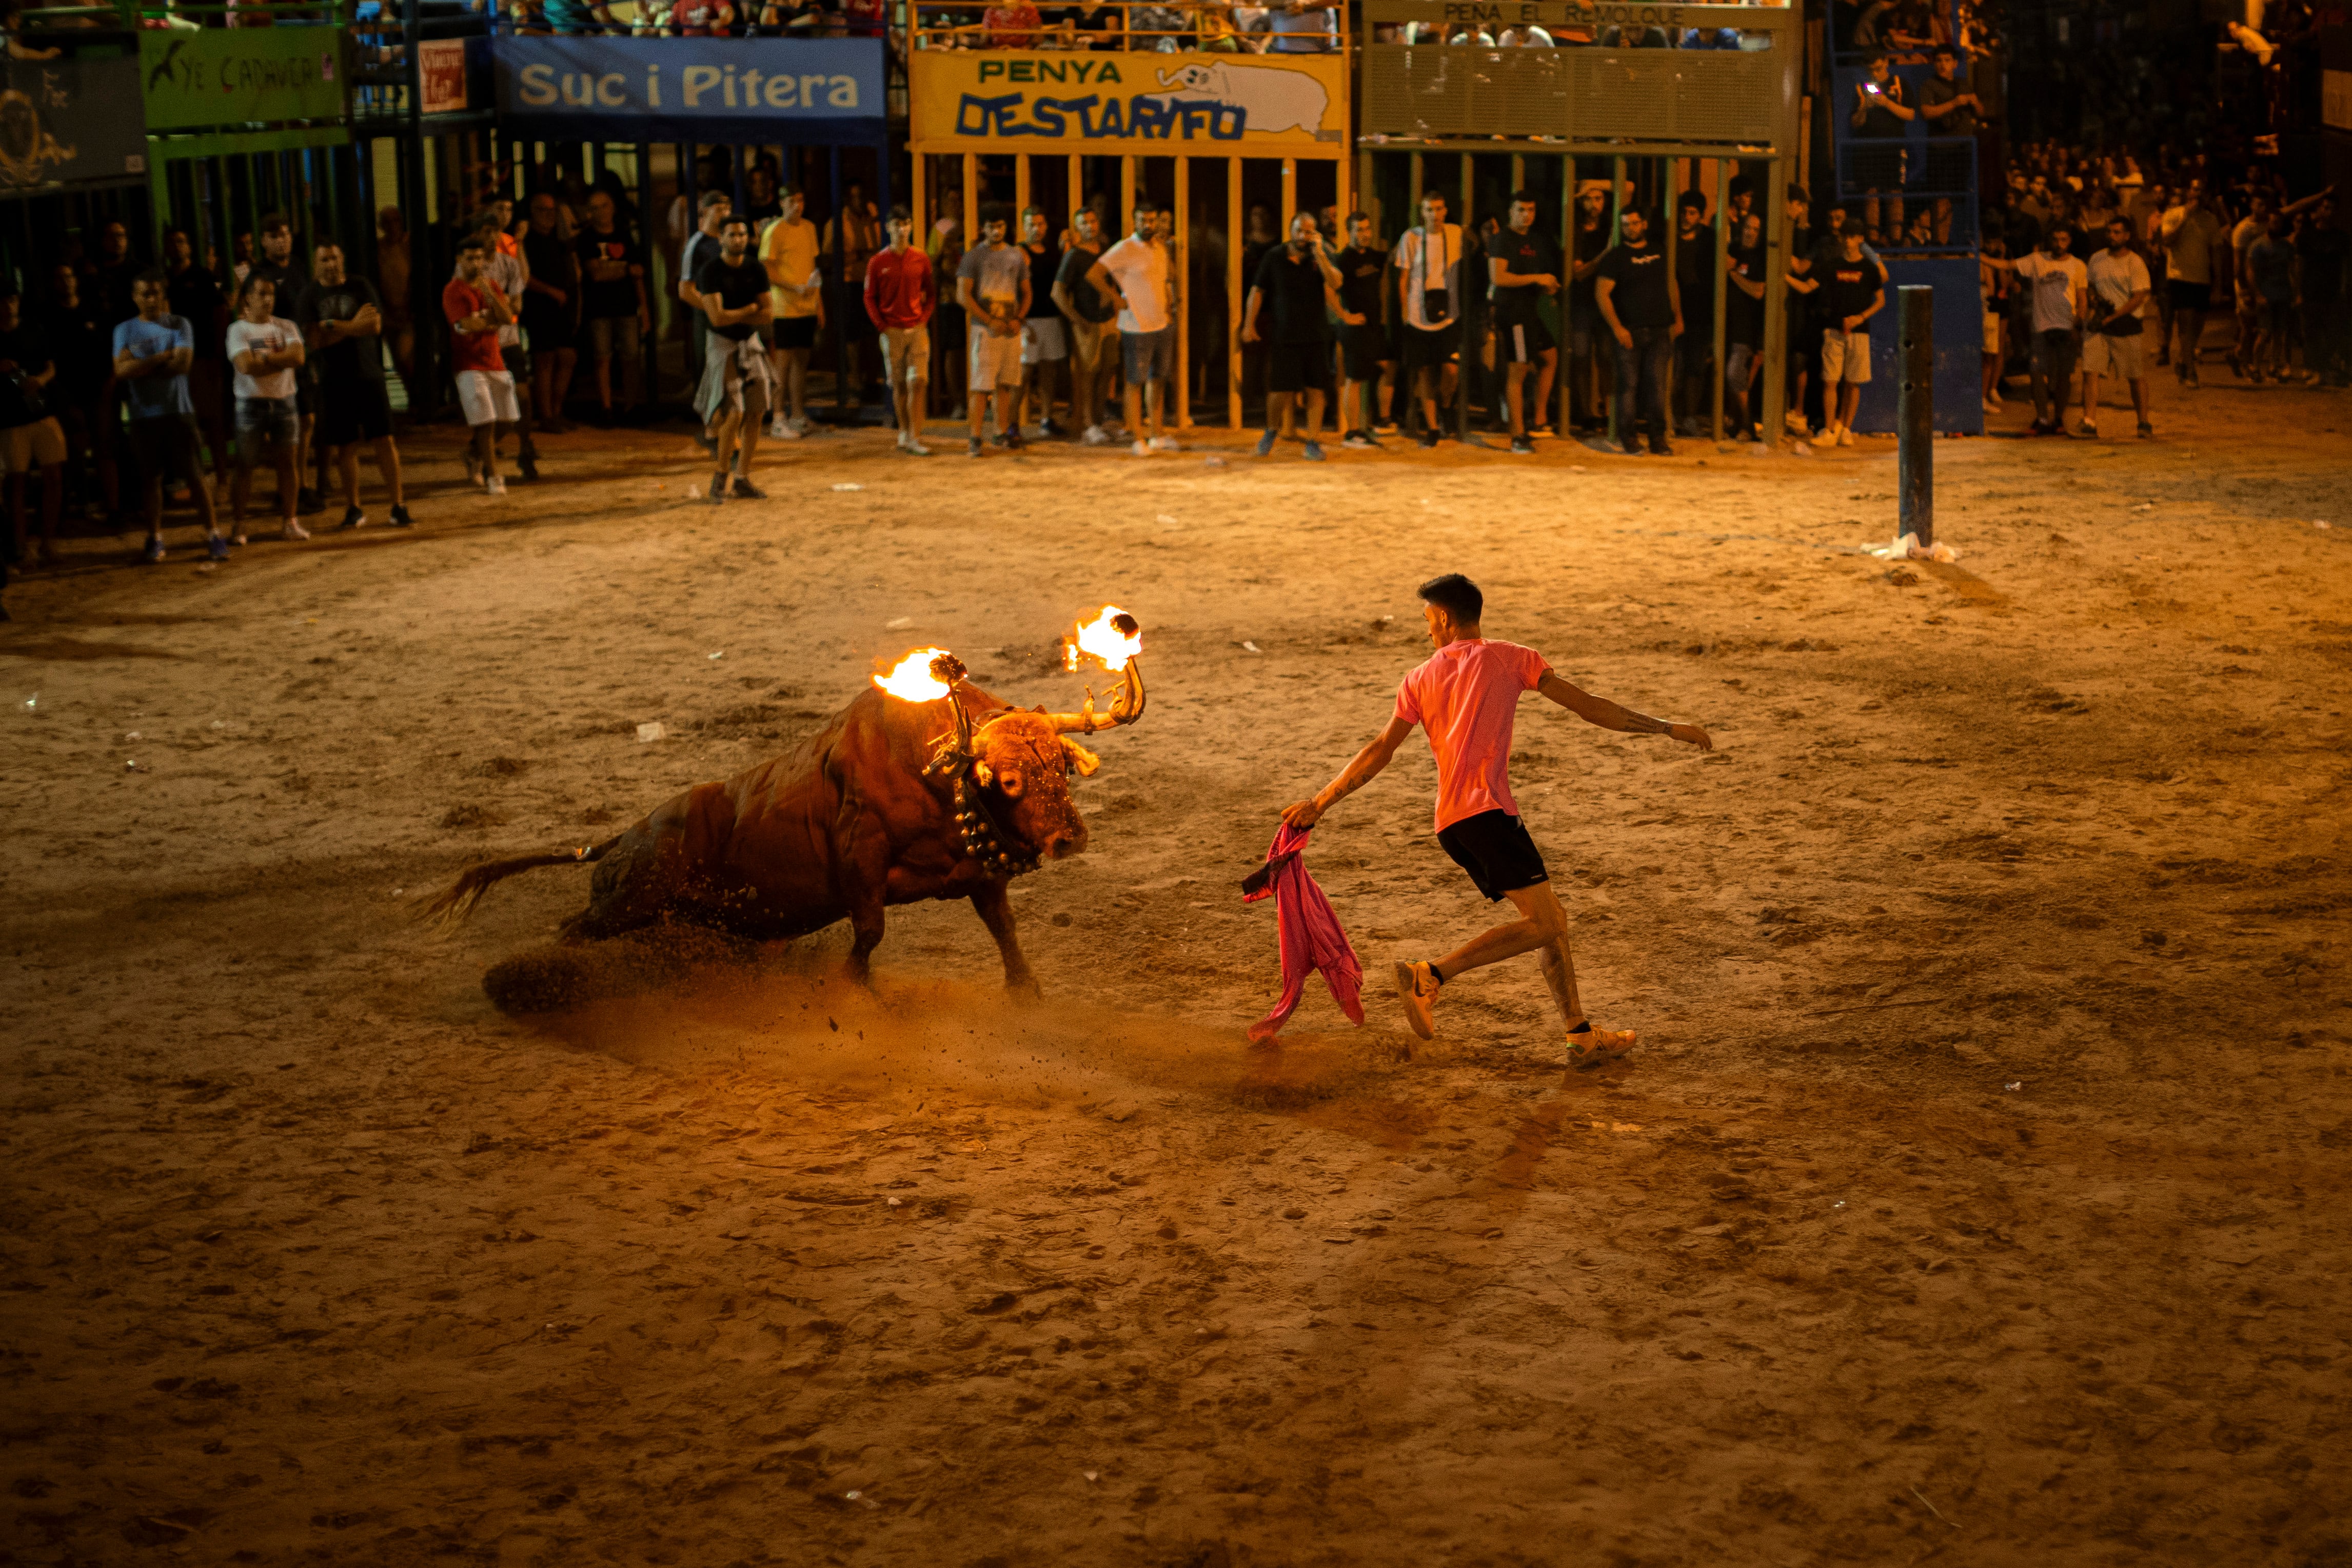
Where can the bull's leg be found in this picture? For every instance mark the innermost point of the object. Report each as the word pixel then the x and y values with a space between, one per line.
pixel 994 905
pixel 861 877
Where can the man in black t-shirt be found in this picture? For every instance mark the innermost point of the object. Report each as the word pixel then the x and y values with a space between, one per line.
pixel 1883 114
pixel 1044 346
pixel 1299 285
pixel 551 312
pixel 1743 325
pixel 279 264
pixel 30 440
pixel 613 307
pixel 1636 296
pixel 1694 278
pixel 1804 323
pixel 1367 364
pixel 342 337
pixel 1586 335
pixel 81 396
pixel 737 384
pixel 1853 286
pixel 1087 320
pixel 1089 325
pixel 1523 267
pixel 1944 102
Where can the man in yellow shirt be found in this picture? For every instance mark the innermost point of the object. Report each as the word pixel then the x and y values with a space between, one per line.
pixel 789 252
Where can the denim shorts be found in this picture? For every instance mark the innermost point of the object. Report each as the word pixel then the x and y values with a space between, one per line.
pixel 276 419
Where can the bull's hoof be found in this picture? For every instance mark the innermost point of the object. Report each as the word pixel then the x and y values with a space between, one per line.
pixel 1024 988
pixel 546 981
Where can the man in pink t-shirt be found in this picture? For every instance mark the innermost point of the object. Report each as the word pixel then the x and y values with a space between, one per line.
pixel 1465 696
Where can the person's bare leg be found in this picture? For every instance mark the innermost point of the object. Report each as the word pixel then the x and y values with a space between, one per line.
pixel 2090 397
pixel 796 364
pixel 976 409
pixel 747 433
pixel 722 446
pixel 1559 974
pixel 1315 414
pixel 387 467
pixel 603 363
pixel 1541 923
pixel 281 455
pixel 154 500
pixel 486 436
pixel 347 463
pixel 204 501
pixel 1515 383
pixel 1546 374
pixel 566 361
pixel 2139 397
pixel 1135 427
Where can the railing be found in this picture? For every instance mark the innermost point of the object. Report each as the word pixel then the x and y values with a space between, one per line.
pixel 1913 176
pixel 1143 27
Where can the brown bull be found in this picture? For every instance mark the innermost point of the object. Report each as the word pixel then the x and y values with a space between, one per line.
pixel 892 802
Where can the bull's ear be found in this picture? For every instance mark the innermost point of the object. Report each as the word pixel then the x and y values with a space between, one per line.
pixel 1081 761
pixel 985 774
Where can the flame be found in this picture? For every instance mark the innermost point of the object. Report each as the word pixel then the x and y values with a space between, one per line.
pixel 911 677
pixel 1103 641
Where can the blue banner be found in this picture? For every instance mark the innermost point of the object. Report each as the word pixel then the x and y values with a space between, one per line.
pixel 690 89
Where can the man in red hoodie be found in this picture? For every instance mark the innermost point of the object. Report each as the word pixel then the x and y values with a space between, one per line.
pixel 901 295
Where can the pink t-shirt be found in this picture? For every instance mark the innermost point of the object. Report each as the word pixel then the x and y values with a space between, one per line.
pixel 1464 697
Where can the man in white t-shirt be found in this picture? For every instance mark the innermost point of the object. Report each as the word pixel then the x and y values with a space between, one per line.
pixel 1134 272
pixel 1429 280
pixel 2117 343
pixel 2059 284
pixel 265 350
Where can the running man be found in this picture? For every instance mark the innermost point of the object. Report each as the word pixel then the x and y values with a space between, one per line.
pixel 1467 696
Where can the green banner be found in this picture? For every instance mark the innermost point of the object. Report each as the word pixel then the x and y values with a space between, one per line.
pixel 238 76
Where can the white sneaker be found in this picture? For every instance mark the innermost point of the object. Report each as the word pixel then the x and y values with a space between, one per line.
pixel 1844 436
pixel 802 422
pixel 1990 406
pixel 496 487
pixel 1096 435
pixel 1165 444
pixel 1143 449
pixel 914 448
pixel 783 430
pixel 1795 419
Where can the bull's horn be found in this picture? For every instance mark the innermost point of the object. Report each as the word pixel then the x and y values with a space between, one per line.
pixel 1126 709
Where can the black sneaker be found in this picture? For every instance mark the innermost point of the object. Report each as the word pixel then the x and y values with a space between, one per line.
pixel 1428 440
pixel 1013 442
pixel 527 466
pixel 1048 429
pixel 307 501
pixel 971 447
pixel 1004 438
pixel 401 520
pixel 1661 447
pixel 353 517
pixel 1524 445
pixel 717 494
pixel 746 491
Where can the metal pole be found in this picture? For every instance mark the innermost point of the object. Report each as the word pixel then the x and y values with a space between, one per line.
pixel 1915 410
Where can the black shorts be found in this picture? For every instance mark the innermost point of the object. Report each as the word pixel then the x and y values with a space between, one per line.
pixel 1298 367
pixel 1494 849
pixel 1522 342
pixel 352 410
pixel 796 331
pixel 1424 346
pixel 516 360
pixel 1366 349
pixel 549 328
pixel 2188 296
pixel 166 445
pixel 306 393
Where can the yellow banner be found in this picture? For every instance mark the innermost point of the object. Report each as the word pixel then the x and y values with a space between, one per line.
pixel 1161 105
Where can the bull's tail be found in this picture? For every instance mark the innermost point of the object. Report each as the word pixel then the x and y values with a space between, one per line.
pixel 458 900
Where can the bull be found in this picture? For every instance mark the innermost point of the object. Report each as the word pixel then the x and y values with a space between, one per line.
pixel 893 801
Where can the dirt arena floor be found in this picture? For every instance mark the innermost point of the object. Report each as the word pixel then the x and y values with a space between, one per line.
pixel 1976 1194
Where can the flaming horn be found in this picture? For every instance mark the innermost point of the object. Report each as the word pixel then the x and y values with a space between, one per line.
pixel 1114 638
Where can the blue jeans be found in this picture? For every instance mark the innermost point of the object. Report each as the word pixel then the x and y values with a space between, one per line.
pixel 1640 405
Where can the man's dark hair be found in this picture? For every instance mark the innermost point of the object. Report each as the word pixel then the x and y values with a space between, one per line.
pixel 791 191
pixel 1798 193
pixel 735 221
pixel 998 212
pixel 472 242
pixel 1358 216
pixel 1742 185
pixel 711 199
pixel 156 275
pixel 1948 49
pixel 1456 595
pixel 271 223
pixel 1146 204
pixel 900 214
pixel 1691 199
pixel 1527 196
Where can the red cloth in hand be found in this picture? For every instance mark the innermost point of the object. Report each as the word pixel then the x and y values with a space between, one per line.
pixel 1311 937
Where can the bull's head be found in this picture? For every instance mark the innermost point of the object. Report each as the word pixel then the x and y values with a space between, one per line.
pixel 1023 762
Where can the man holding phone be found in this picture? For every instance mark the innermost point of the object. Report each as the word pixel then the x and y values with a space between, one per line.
pixel 1882 111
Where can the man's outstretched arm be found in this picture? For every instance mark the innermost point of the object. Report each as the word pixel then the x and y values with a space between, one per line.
pixel 1352 777
pixel 1609 715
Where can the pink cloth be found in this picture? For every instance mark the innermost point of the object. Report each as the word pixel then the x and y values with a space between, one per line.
pixel 1311 938
pixel 1464 697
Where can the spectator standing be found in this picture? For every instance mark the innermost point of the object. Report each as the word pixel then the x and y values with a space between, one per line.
pixel 1135 272
pixel 2188 233
pixel 614 307
pixel 341 320
pixel 1584 328
pixel 712 208
pixel 152 354
pixel 1523 270
pixel 1636 296
pixel 993 287
pixel 1088 316
pixel 1303 289
pixel 2320 248
pixel 2056 282
pixel 2249 230
pixel 82 395
pixel 392 274
pixel 507 273
pixel 551 311
pixel 1366 362
pixel 475 308
pixel 284 269
pixel 1694 281
pixel 737 379
pixel 796 277
pixel 196 298
pixel 2270 262
pixel 1429 296
pixel 762 203
pixel 266 350
pixel 1044 346
pixel 1995 284
pixel 1304 28
pixel 851 235
pixel 948 322
pixel 1946 103
pixel 1853 290
pixel 30 439
pixel 114 276
pixel 2117 343
pixel 900 295
pixel 1743 325
pixel 1804 305
pixel 1883 114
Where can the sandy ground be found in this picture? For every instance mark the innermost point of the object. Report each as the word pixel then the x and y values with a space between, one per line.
pixel 1975 1194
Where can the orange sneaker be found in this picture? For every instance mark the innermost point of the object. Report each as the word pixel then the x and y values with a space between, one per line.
pixel 1417 989
pixel 1594 1048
